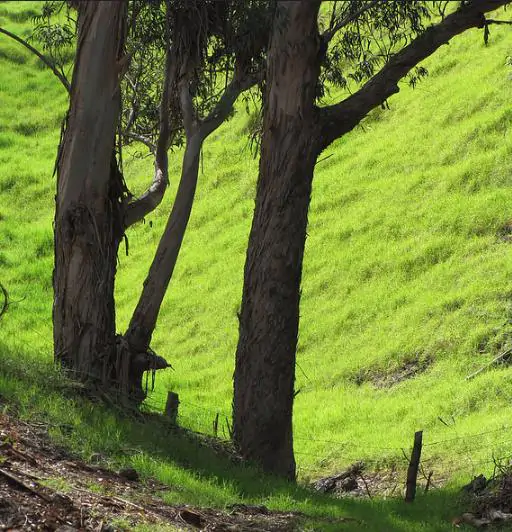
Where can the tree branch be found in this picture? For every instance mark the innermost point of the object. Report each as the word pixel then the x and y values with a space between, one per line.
pixel 149 201
pixel 43 58
pixel 225 104
pixel 340 118
pixel 328 34
pixel 492 21
pixel 187 106
pixel 140 138
pixel 5 304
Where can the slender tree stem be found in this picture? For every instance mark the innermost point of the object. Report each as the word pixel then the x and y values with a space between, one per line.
pixel 41 56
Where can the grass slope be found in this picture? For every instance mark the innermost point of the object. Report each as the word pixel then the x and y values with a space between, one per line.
pixel 407 267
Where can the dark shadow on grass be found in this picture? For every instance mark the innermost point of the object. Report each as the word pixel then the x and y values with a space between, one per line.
pixel 161 442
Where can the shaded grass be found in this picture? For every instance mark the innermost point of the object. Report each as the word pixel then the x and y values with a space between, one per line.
pixel 194 471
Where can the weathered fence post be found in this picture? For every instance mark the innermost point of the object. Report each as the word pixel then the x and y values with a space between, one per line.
pixel 412 470
pixel 216 425
pixel 171 407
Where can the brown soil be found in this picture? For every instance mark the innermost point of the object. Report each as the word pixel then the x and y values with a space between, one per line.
pixel 381 378
pixel 504 233
pixel 42 487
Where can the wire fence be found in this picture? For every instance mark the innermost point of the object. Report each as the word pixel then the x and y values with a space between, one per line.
pixel 461 456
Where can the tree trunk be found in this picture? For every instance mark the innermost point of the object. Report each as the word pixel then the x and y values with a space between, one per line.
pixel 265 358
pixel 143 321
pixel 190 40
pixel 88 218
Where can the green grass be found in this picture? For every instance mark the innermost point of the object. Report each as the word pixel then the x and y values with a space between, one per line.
pixel 406 263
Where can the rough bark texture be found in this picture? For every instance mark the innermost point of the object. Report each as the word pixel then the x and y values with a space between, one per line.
pixel 88 219
pixel 294 134
pixel 265 357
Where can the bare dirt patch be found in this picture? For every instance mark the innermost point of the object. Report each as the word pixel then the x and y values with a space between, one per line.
pixel 43 487
pixel 386 378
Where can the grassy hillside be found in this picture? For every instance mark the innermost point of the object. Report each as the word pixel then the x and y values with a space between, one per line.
pixel 407 264
pixel 406 279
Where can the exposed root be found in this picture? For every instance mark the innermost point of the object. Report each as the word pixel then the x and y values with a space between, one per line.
pixel 130 369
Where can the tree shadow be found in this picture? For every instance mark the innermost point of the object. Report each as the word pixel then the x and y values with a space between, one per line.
pixel 209 471
pixel 432 511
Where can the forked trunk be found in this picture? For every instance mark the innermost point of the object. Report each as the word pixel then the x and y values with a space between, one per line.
pixel 143 321
pixel 265 358
pixel 144 318
pixel 88 217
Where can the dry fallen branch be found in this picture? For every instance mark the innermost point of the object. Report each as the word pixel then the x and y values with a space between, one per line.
pixel 14 479
pixel 5 304
pixel 502 357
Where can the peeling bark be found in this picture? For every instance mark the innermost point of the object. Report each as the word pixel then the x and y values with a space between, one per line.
pixel 88 223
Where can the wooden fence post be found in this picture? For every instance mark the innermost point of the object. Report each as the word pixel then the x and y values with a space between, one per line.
pixel 171 407
pixel 216 425
pixel 412 470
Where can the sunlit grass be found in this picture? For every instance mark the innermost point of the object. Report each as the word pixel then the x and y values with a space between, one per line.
pixel 406 261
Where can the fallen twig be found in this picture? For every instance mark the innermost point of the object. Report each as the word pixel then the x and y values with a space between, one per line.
pixel 365 485
pixel 429 481
pixel 19 454
pixel 117 501
pixel 494 361
pixel 21 483
pixel 127 503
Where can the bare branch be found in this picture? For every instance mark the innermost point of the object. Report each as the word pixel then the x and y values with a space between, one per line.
pixel 60 75
pixel 187 106
pixel 492 21
pixel 142 139
pixel 133 111
pixel 340 118
pixel 226 102
pixel 138 209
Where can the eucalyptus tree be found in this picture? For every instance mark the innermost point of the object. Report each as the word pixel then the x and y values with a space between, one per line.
pixel 367 46
pixel 213 53
pixel 141 72
pixel 94 207
pixel 90 202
